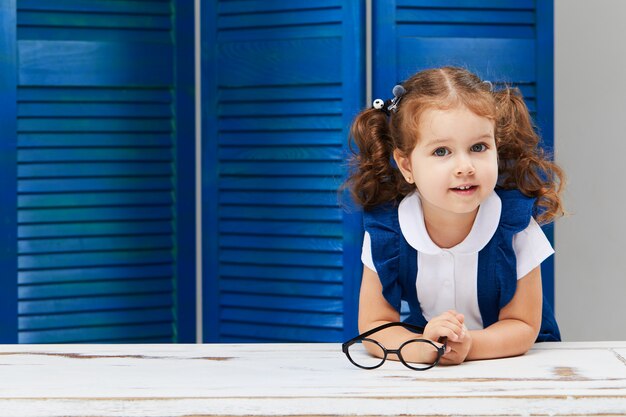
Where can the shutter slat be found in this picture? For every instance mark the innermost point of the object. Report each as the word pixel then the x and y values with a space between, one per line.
pixel 84 140
pixel 510 17
pixel 285 333
pixel 276 228
pixel 118 302
pixel 97 334
pixel 490 30
pixel 279 184
pixel 94 214
pixel 294 318
pixel 281 213
pixel 281 242
pixel 287 258
pixel 94 110
pixel 260 6
pixel 278 94
pixel 283 198
pixel 281 272
pixel 319 305
pixel 126 287
pixel 99 273
pixel 99 318
pixel 327 107
pixel 89 259
pixel 95 229
pixel 90 154
pixel 469 4
pixel 94 184
pixel 293 138
pixel 97 6
pixel 33 246
pixel 93 95
pixel 300 153
pixel 284 288
pixel 41 124
pixel 88 199
pixel 293 32
pixel 93 20
pixel 280 18
pixel 94 169
pixel 245 124
pixel 281 168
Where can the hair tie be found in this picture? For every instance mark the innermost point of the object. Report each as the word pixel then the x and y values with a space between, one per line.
pixel 398 91
pixel 489 84
pixel 390 105
pixel 378 104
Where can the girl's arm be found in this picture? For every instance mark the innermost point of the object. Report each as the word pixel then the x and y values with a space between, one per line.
pixel 374 311
pixel 518 324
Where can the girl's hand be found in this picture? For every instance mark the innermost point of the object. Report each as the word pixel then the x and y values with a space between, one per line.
pixel 448 324
pixel 456 352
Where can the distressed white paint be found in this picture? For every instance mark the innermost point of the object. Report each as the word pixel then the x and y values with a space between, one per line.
pixel 300 379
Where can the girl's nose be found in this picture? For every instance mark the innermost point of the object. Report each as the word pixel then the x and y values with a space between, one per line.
pixel 465 167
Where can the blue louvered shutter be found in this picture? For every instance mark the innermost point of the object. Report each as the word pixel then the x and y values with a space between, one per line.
pixel 282 81
pixel 504 41
pixel 96 180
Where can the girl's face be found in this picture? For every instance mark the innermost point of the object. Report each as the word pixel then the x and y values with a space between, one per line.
pixel 456 148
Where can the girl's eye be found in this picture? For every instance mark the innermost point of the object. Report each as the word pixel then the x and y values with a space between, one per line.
pixel 441 152
pixel 479 147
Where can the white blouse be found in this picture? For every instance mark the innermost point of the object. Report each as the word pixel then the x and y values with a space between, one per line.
pixel 447 278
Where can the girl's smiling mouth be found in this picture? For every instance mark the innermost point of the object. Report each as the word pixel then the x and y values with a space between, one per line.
pixel 465 189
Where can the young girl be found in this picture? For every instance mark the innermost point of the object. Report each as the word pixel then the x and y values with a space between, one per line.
pixel 451 227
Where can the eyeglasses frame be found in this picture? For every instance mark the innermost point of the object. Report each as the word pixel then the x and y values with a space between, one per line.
pixel 440 350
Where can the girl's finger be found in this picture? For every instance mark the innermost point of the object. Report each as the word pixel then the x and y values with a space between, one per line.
pixel 447 332
pixel 450 314
pixel 447 322
pixel 454 318
pixel 450 358
pixel 455 329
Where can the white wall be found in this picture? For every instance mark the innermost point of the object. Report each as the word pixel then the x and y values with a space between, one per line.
pixel 590 144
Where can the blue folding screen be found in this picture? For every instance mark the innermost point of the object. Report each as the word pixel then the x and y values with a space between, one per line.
pixel 502 41
pixel 101 167
pixel 281 83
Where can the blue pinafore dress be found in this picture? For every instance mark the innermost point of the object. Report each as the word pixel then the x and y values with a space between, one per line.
pixel 396 263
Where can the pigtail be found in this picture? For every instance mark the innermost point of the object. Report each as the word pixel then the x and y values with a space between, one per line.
pixel 522 163
pixel 373 179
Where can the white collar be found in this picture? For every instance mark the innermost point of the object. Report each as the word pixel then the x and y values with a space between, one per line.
pixel 411 219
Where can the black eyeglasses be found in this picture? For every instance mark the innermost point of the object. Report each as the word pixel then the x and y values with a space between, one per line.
pixel 369 354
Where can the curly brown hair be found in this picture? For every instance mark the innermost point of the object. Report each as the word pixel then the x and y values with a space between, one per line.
pixel 522 163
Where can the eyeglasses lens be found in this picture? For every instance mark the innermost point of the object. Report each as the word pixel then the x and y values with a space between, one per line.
pixel 419 354
pixel 360 353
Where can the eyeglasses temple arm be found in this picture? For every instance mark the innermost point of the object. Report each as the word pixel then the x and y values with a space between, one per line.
pixel 382 327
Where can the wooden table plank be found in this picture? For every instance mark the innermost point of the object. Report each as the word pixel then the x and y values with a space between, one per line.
pixel 303 379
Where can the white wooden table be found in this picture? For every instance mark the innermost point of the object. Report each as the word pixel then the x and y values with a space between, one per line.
pixel 302 379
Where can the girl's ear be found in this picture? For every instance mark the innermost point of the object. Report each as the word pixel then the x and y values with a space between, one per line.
pixel 404 164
